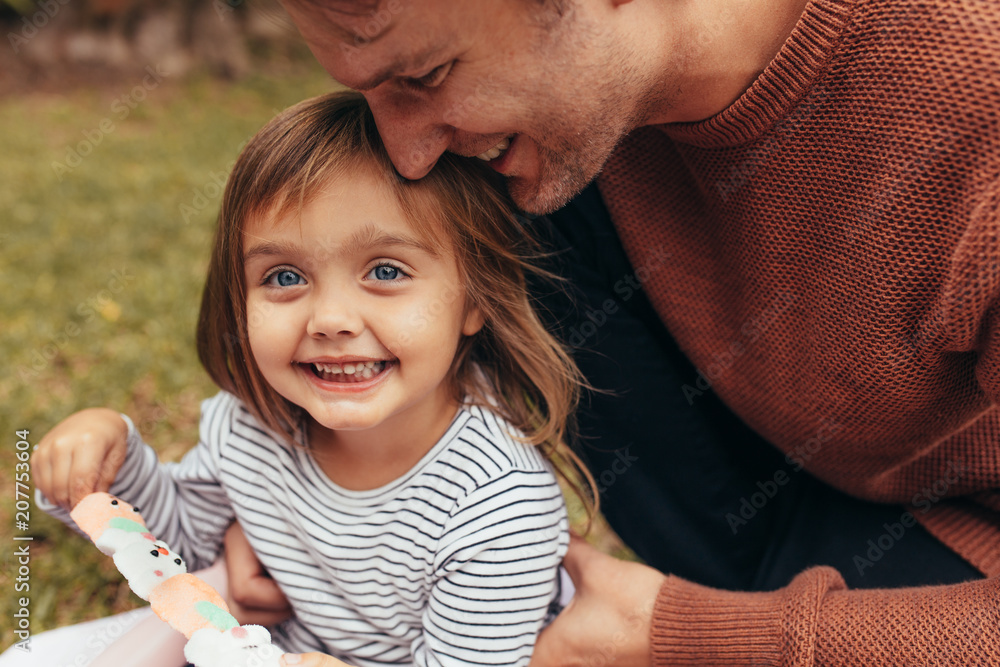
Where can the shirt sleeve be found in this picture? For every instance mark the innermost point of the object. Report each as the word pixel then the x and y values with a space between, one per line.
pixel 182 503
pixel 496 573
pixel 816 622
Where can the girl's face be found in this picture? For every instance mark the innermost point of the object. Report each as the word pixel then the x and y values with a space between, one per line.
pixel 352 315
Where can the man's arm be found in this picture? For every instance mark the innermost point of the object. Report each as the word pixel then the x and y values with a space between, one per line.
pixel 252 595
pixel 628 614
pixel 608 620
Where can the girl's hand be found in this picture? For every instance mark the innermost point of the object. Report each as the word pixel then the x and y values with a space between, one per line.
pixel 311 660
pixel 81 455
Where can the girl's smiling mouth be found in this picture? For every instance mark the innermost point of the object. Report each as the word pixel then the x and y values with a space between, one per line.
pixel 348 372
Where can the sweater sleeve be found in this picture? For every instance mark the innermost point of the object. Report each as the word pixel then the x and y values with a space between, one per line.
pixel 182 503
pixel 816 622
pixel 496 573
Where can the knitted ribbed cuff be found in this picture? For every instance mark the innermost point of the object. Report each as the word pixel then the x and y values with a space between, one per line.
pixel 968 529
pixel 697 625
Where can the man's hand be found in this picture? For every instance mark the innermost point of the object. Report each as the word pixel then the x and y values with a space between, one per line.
pixel 253 597
pixel 311 660
pixel 608 620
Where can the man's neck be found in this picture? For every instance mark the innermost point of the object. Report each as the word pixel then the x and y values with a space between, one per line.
pixel 711 52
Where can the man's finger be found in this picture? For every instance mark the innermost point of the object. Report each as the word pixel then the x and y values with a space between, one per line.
pixel 261 592
pixel 253 597
pixel 579 555
pixel 310 660
pixel 249 583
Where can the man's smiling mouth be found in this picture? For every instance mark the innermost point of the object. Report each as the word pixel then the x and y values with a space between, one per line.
pixel 347 372
pixel 496 151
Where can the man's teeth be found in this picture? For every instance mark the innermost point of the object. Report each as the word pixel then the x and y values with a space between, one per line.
pixel 349 372
pixel 496 150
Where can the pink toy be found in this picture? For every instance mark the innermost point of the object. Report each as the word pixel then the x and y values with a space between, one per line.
pixel 157 574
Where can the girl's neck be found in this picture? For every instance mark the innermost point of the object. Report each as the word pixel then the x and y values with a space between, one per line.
pixel 361 460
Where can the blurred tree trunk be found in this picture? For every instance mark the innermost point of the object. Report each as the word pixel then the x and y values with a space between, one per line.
pixel 174 36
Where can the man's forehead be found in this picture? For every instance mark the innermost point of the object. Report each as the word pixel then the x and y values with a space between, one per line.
pixel 362 49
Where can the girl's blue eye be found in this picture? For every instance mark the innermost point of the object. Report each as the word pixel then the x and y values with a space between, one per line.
pixel 285 278
pixel 386 272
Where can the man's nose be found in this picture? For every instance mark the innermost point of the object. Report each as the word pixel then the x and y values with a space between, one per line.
pixel 412 131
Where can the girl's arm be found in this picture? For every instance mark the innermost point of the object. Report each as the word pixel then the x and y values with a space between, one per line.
pixel 496 573
pixel 183 503
pixel 80 455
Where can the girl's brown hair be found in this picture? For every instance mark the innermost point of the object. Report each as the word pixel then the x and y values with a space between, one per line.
pixel 512 365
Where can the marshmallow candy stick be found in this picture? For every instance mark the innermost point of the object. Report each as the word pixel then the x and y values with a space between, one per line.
pixel 157 574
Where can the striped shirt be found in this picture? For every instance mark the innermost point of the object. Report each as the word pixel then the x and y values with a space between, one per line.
pixel 454 563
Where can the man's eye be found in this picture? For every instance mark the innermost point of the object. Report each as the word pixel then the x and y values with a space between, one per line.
pixel 435 77
pixel 284 278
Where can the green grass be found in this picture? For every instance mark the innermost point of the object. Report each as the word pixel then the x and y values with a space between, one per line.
pixel 102 266
pixel 102 277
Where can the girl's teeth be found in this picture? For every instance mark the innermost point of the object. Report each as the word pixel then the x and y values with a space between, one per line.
pixel 354 372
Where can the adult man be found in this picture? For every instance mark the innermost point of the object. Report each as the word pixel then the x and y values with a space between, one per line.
pixel 808 204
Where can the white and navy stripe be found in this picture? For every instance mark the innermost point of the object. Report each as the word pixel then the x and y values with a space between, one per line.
pixel 455 563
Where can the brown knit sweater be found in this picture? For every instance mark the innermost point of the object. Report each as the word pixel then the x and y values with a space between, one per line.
pixel 835 241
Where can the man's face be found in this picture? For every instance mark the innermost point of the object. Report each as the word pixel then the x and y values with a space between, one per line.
pixel 482 77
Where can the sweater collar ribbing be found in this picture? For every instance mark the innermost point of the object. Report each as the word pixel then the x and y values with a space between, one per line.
pixel 785 81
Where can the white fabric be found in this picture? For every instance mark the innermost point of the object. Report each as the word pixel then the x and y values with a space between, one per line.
pixel 454 563
pixel 79 645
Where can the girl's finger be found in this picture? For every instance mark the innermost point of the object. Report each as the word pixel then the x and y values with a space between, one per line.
pixel 61 464
pixel 41 470
pixel 85 471
pixel 108 471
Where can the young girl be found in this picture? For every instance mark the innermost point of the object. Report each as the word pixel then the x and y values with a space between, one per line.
pixel 383 381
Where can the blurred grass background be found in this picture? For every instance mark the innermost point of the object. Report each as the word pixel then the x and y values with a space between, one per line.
pixel 102 279
pixel 103 266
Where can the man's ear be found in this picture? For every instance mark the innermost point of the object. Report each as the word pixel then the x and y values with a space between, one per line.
pixel 474 321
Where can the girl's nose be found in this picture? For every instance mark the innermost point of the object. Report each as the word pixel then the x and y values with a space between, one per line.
pixel 333 317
